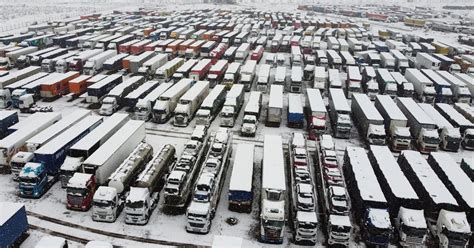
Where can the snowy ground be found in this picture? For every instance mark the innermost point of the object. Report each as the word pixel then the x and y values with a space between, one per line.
pixel 163 226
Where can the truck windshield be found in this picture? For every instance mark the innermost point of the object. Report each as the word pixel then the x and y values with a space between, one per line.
pixel 30 180
pixel 273 223
pixel 431 140
pixel 456 238
pixel 103 204
pixel 76 191
pixel 412 231
pixel 307 225
pixel 136 204
pixel 340 229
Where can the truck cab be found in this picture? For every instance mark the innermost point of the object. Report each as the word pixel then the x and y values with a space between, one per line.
pixel 161 112
pixel 18 161
pixel 377 229
pixel 173 184
pixel 399 138
pixel 109 106
pixel 272 221
pixel 305 200
pixel 106 204
pixel 411 226
pixel 16 94
pixel 450 139
pixel 5 98
pixel 70 166
pixel 203 117
pixel 339 229
pixel 376 134
pixel 32 180
pixel 452 229
pixel 343 125
pixel 338 203
pixel 249 125
pixel 199 218
pixel 228 114
pixel 138 206
pixel 468 139
pixel 80 191
pixel 142 110
pixel 89 68
pixel 428 140
pixel 182 115
pixel 305 226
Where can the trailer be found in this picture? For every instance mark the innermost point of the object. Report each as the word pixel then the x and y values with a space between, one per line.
pixel 450 136
pixel 251 114
pixel 426 61
pixel 166 71
pixel 13 224
pixel 115 97
pixel 77 62
pixel 242 52
pixel 247 74
pixel 189 103
pixel 57 86
pixel 368 203
pixel 146 188
pixel 469 81
pixel 211 106
pixel 139 47
pixel 395 123
pixel 149 68
pixel 263 77
pixel 466 110
pixel 141 91
pixel 368 120
pixel 201 69
pixel 240 195
pixel 15 88
pixel 233 103
pixel 339 113
pixel 7 119
pixel 11 57
pixel 115 63
pixel 401 61
pixel 58 64
pixel 166 103
pixel 49 158
pixel 273 192
pixel 135 62
pixel 25 60
pixel 25 129
pixel 208 187
pixel 295 111
pixel 184 70
pixel 440 207
pixel 12 77
pixel 424 89
pixel 406 208
pixel 461 92
pixel 37 60
pixel 95 64
pixel 458 121
pixel 316 113
pixel 143 107
pixel 442 87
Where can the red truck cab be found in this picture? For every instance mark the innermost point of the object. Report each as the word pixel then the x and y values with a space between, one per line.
pixel 80 191
pixel 257 53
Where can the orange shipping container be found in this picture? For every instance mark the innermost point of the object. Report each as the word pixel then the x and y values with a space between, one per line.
pixel 79 85
pixel 58 86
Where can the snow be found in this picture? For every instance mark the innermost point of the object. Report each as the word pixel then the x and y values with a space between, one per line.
pixel 242 172
pixel 201 208
pixel 458 118
pixel 273 168
pixel 7 210
pixel 294 104
pixel 412 217
pixel 30 169
pixel 79 180
pixel 399 184
pixel 98 244
pixel 201 65
pixel 339 100
pixel 428 178
pixel 304 216
pixel 6 113
pixel 60 141
pixel 226 242
pixel 436 78
pixel 154 94
pixel 199 88
pixel 415 76
pixel 102 132
pixel 103 81
pixel 417 113
pixel 340 220
pixel 137 194
pixel 50 242
pixel 276 97
pixel 22 82
pixel 394 113
pixel 367 107
pixel 141 89
pixel 105 194
pixel 380 218
pixel 455 221
pixel 440 121
pixel 178 87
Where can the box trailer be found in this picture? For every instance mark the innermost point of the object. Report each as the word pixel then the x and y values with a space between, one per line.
pixel 368 120
pixel 7 119
pixel 275 106
pixel 166 103
pixel 13 224
pixel 95 64
pixel 98 90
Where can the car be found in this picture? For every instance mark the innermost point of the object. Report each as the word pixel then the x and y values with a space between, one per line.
pixel 212 165
pixel 185 163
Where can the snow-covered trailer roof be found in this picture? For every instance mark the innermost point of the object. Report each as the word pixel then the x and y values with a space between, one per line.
pixel 104 81
pixel 435 77
pixel 141 89
pixel 242 172
pixel 273 166
pixel 201 64
pixel 27 80
pixel 254 102
pixel 367 107
pixel 440 121
pixel 276 97
pixel 211 98
pixel 176 88
pixel 412 107
pixel 154 94
pixel 353 73
pixel 339 100
pixel 393 111
pixel 457 119
pixel 195 91
pixel 294 103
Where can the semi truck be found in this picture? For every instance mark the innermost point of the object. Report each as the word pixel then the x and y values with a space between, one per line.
pixel 449 136
pixel 200 70
pixel 211 106
pixel 207 188
pixel 295 116
pixel 115 63
pixel 232 105
pixel 10 58
pixel 58 64
pixel 247 74
pixel 13 224
pixel 96 64
pixel 216 72
pixel 241 180
pixel 273 210
pixel 406 208
pixel 368 120
pixel 275 106
pixel 184 70
pixel 189 103
pixel 77 62
pixel 316 113
pixel 36 178
pixel 18 75
pixel 85 147
pixel 339 113
pixel 440 207
pixel 166 103
pixel 97 91
pixel 7 119
pixel 461 92
pixel 423 129
pixel 133 97
pixel 395 123
pixel 303 200
pixel 263 78
pixel 424 89
pixel 232 75
pixel 166 71
pixel 465 126
pixel 145 191
pixel 119 182
pixel 442 87
pixel 368 203
pixel 14 142
pixel 252 114
pixel 144 106
pixel 137 61
pixel 149 67
pixel 115 98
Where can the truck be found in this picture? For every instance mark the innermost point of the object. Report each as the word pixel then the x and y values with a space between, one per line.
pixel 458 121
pixel 184 70
pixel 240 195
pixel 440 207
pixel 14 142
pixel 273 191
pixel 20 83
pixel 100 88
pixel 123 177
pixel 216 72
pixel 339 113
pixel 166 71
pixel 80 191
pixel 140 92
pixel 211 106
pixel 232 75
pixel 303 201
pixel 115 98
pixel 104 161
pixel 233 103
pixel 201 69
pixel 166 103
pixel 13 224
pixel 208 187
pixel 95 64
pixel 148 68
pixel 115 63
pixel 353 81
pixel 426 61
pixel 423 129
pixel 7 119
pixel 180 181
pixel 280 76
pixel 404 88
pixel 10 58
pixel 316 113
pixel 386 83
pixel 189 103
pixel 247 74
pixel 139 47
pixel 368 203
pixel 466 110
pixel 37 60
pixel 450 136
pixel 143 107
pixel 56 86
pixel 395 122
pixel 320 78
pixel 251 114
pixel 137 61
pixel 263 77
pixel 295 111
pixel 442 87
pixel 85 147
pixel 77 62
pixel 242 52
pixel 77 86
pixel 25 60
pixel 461 92
pixel 368 120
pixel 18 75
pixel 406 208
pixel 37 177
pixel 467 80
pixel 401 61
pixel 145 191
pixel 424 89
pixel 58 64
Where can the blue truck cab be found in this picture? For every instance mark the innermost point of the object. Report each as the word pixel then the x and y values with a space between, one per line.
pixel 32 180
pixel 378 228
